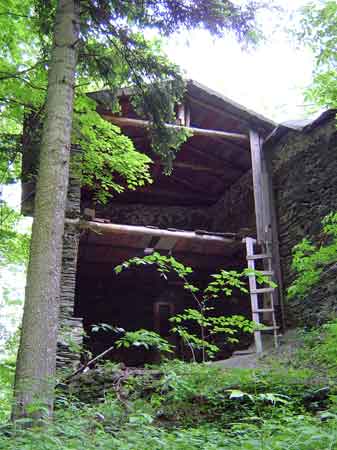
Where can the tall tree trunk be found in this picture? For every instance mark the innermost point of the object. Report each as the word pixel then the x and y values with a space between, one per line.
pixel 35 371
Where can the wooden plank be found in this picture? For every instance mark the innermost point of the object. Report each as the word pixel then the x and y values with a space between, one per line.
pixel 128 122
pixel 262 310
pixel 166 243
pixel 263 290
pixel 261 256
pixel 204 154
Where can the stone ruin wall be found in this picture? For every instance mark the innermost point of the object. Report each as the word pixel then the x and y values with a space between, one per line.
pixel 235 211
pixel 182 218
pixel 305 182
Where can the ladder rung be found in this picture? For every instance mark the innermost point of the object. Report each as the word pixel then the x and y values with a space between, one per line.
pixel 262 290
pixel 265 328
pixel 264 310
pixel 261 256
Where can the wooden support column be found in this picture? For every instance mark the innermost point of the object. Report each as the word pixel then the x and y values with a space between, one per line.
pixel 265 212
pixel 70 327
pixel 261 189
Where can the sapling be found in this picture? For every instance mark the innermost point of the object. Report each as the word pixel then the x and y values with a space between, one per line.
pixel 222 284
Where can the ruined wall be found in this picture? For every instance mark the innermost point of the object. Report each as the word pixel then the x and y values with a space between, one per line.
pixel 305 182
pixel 185 218
pixel 235 210
pixel 71 328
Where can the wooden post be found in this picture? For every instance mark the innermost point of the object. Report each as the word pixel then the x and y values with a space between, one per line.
pixel 181 120
pixel 265 212
pixel 261 189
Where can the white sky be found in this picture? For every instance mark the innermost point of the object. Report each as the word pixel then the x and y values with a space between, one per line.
pixel 269 80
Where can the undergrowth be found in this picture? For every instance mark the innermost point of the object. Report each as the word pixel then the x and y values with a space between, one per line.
pixel 187 406
pixel 318 350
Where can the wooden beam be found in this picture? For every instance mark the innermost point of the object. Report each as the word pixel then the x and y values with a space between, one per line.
pixel 215 158
pixel 265 211
pixel 137 123
pixel 261 189
pixel 181 120
pixel 230 114
pixel 112 228
pixel 175 195
pixel 197 168
pixel 189 185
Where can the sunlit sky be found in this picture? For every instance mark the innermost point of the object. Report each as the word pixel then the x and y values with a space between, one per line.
pixel 270 79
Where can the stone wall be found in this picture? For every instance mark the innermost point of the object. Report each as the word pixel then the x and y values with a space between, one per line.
pixel 305 182
pixel 184 218
pixel 235 210
pixel 71 328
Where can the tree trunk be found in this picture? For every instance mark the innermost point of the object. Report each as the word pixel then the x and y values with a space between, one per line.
pixel 35 371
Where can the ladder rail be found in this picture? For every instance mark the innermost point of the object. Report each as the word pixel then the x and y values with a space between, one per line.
pixel 266 292
pixel 254 297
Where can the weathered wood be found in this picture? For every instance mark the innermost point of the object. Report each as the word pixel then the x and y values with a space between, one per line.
pixel 266 221
pixel 137 123
pixel 113 228
pixel 275 247
pixel 174 196
pixel 197 168
pixel 165 243
pixel 181 120
pixel 258 184
pixel 268 309
pixel 231 109
pixel 187 115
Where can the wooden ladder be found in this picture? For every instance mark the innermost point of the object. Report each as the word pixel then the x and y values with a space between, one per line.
pixel 267 293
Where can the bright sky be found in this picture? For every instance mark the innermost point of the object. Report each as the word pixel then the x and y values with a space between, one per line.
pixel 269 80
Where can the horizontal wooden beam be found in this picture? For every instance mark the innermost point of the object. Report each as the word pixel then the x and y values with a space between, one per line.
pixel 197 168
pixel 113 228
pixel 137 123
pixel 173 194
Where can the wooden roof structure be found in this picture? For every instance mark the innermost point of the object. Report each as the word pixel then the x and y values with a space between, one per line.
pixel 209 162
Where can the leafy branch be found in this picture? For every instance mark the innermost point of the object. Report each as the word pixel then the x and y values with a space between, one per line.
pixel 222 285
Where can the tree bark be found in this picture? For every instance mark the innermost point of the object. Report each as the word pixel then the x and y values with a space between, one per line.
pixel 35 371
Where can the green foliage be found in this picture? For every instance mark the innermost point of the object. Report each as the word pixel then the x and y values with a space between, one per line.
pixel 113 53
pixel 223 284
pixel 318 350
pixel 109 161
pixel 14 242
pixel 318 30
pixel 311 261
pixel 191 406
pixel 184 406
pixel 7 369
pixel 144 338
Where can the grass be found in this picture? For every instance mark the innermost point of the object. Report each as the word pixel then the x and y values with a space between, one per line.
pixel 198 406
